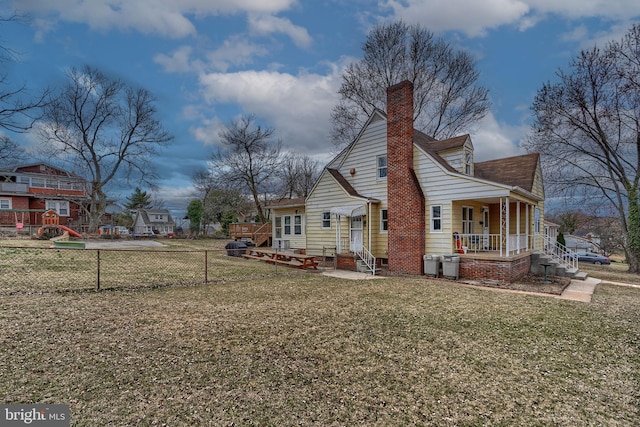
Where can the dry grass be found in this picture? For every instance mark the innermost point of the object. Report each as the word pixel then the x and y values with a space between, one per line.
pixel 308 349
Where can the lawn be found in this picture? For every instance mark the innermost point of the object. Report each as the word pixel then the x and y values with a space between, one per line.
pixel 308 349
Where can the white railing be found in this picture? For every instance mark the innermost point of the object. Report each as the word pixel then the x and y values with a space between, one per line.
pixel 368 258
pixel 475 243
pixel 560 253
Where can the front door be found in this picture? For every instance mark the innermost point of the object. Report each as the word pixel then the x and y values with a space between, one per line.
pixel 355 237
pixel 485 228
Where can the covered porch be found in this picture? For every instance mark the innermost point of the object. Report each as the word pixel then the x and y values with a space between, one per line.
pixel 501 227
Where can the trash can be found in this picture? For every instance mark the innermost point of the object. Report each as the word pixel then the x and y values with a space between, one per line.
pixel 432 265
pixel 236 248
pixel 451 266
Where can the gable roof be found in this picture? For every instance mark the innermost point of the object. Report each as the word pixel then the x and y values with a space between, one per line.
pixel 145 216
pixel 518 171
pixel 346 186
pixel 285 203
pixel 430 145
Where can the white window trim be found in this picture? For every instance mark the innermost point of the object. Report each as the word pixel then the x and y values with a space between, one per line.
pixel 9 202
pixel 285 225
pixel 295 224
pixel 468 221
pixel 382 221
pixel 379 168
pixel 56 206
pixel 432 219
pixel 323 220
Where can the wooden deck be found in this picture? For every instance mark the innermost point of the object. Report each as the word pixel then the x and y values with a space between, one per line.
pixel 260 234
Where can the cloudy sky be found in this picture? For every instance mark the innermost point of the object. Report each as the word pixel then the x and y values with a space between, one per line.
pixel 209 61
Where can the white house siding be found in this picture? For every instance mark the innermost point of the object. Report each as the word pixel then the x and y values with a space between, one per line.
pixel 441 188
pixel 362 159
pixel 296 241
pixel 326 195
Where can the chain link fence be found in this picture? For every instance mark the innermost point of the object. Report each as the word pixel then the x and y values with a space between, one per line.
pixel 39 270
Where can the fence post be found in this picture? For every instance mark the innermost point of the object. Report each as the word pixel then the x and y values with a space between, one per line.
pixel 206 266
pixel 98 255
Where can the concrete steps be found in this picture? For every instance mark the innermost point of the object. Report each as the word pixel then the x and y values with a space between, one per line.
pixel 554 267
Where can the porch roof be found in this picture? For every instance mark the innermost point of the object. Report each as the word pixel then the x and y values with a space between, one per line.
pixel 347 187
pixel 349 210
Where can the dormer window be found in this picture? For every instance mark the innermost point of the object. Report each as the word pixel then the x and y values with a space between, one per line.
pixel 468 162
pixel 382 167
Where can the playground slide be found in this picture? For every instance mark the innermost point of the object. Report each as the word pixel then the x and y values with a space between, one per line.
pixel 70 231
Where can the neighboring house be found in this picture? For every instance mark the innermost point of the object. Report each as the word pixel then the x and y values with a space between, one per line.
pixel 26 191
pixel 395 194
pixel 152 221
pixel 551 230
pixel 586 243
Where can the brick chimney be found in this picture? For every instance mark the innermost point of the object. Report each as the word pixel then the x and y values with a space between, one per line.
pixel 406 201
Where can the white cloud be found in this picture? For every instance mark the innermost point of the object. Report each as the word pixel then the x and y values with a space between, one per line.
pixel 164 17
pixel 296 106
pixel 494 140
pixel 476 17
pixel 235 51
pixel 179 61
pixel 470 17
pixel 268 24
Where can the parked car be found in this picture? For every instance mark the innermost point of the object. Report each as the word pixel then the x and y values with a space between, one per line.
pixel 593 258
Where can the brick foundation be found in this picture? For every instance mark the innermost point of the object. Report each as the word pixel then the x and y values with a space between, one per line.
pixel 503 270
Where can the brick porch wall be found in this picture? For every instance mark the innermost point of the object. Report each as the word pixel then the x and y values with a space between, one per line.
pixel 406 200
pixel 507 270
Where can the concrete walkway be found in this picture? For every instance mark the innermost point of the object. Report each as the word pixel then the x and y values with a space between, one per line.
pixel 580 290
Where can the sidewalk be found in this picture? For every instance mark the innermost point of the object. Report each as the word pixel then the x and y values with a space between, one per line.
pixel 580 290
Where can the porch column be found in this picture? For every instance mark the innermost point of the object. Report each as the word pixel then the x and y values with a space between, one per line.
pixel 338 244
pixel 528 225
pixel 505 246
pixel 369 223
pixel 518 226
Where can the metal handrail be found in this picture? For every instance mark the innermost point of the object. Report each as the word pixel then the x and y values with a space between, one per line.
pixel 560 253
pixel 368 258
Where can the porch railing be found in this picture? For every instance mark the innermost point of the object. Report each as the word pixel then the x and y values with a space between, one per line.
pixel 475 243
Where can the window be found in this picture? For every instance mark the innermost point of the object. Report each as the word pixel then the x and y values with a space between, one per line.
pixel 384 220
pixel 326 220
pixel 382 166
pixel 467 162
pixel 467 220
pixel 287 225
pixel 436 218
pixel 278 227
pixel 60 206
pixel 536 225
pixel 5 203
pixel 297 224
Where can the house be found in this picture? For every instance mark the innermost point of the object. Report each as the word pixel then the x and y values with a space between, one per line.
pixel 26 191
pixel 153 222
pixel 395 194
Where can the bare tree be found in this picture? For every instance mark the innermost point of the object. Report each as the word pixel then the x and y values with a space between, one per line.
pixel 10 152
pixel 447 96
pixel 218 202
pixel 18 109
pixel 249 159
pixel 106 128
pixel 298 175
pixel 587 128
